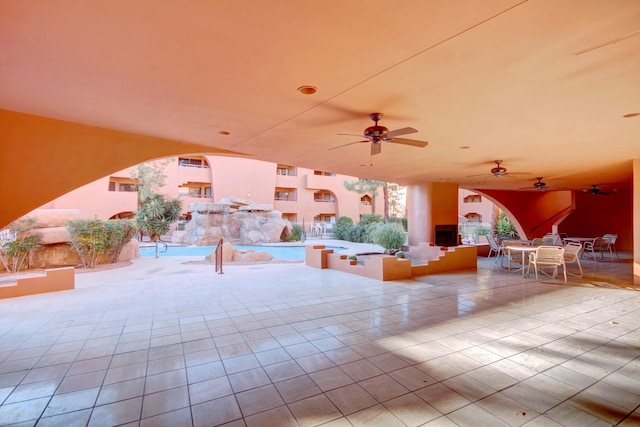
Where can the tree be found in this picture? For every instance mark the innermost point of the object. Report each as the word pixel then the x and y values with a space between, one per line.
pixel 370 186
pixel 156 214
pixel 397 195
pixel 151 177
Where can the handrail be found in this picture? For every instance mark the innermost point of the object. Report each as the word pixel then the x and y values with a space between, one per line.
pixel 218 256
pixel 166 247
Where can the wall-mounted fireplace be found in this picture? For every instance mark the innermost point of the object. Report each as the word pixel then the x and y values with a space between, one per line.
pixel 446 235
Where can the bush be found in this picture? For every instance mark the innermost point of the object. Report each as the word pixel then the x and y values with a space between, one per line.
pixel 367 219
pixel 296 233
pixel 401 221
pixel 343 225
pixel 357 234
pixel 389 236
pixel 13 253
pixel 94 239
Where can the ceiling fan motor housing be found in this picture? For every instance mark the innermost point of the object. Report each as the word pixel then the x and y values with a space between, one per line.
pixel 376 132
pixel 499 171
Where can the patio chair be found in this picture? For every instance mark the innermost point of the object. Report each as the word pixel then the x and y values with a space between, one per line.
pixel 596 248
pixel 572 255
pixel 546 257
pixel 538 241
pixel 494 247
pixel 611 246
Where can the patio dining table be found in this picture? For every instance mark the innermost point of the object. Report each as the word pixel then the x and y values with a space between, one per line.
pixel 523 249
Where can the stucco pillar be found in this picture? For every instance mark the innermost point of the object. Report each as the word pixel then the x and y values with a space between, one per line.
pixel 636 222
pixel 430 204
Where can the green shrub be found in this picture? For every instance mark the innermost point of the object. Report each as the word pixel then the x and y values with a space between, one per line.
pixel 13 253
pixel 95 239
pixel 343 224
pixel 389 236
pixel 504 227
pixel 370 218
pixel 401 221
pixel 357 234
pixel 296 233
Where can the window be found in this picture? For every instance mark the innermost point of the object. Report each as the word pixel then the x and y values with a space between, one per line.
pixel 473 198
pixel 323 196
pixel 286 170
pixel 366 199
pixel 193 163
pixel 285 194
pixel 323 173
pixel 117 183
pixel 196 190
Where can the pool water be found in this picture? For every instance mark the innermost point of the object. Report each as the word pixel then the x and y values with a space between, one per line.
pixel 291 253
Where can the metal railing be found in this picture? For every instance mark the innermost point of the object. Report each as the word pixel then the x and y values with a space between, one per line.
pixel 218 256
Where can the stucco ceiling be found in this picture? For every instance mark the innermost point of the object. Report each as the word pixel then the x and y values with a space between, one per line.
pixel 542 85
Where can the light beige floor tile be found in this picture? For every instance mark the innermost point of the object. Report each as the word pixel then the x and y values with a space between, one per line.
pixel 215 412
pixel 181 417
pixel 248 379
pixel 259 399
pixel 375 416
pixel 441 397
pixel 297 388
pixel 116 413
pixel 412 410
pixel 351 398
pixel 314 411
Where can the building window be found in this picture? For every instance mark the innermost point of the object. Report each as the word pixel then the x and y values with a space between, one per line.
pixel 366 199
pixel 122 184
pixel 323 196
pixel 287 194
pixel 286 170
pixel 473 198
pixel 323 173
pixel 196 190
pixel 192 162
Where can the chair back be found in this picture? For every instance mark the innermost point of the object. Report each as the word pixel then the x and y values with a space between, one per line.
pixel 611 238
pixel 512 243
pixel 550 255
pixel 572 251
pixel 538 241
pixel 493 243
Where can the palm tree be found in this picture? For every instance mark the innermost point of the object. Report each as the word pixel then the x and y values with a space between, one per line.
pixel 156 214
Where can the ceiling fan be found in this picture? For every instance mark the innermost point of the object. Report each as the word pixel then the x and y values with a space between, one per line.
pixel 499 171
pixel 377 134
pixel 596 191
pixel 541 186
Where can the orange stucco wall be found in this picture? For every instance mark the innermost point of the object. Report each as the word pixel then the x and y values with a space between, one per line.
pixel 428 205
pixel 45 158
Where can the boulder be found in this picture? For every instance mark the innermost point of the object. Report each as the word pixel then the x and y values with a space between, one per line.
pixel 130 251
pixel 54 217
pixel 52 235
pixel 251 256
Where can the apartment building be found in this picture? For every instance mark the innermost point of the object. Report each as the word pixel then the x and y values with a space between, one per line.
pixel 305 196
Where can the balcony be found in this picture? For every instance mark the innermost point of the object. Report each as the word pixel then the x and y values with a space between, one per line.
pixel 314 182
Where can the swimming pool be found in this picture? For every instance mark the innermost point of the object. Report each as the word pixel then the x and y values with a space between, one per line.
pixel 291 253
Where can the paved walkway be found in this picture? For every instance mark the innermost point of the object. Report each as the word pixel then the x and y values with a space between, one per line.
pixel 164 343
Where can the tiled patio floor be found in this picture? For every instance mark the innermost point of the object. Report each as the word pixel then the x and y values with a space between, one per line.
pixel 163 343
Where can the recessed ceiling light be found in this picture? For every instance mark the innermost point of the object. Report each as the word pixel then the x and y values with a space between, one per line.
pixel 224 132
pixel 307 90
pixel 626 116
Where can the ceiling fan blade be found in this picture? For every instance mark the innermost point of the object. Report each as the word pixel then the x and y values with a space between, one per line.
pixel 376 148
pixel 350 134
pixel 351 143
pixel 412 142
pixel 398 132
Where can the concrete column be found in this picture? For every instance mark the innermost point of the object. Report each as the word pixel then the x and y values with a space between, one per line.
pixel 636 222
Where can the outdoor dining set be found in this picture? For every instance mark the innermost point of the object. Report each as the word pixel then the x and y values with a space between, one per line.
pixel 548 254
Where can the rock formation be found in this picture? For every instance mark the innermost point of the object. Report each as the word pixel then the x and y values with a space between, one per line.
pixel 54 249
pixel 238 221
